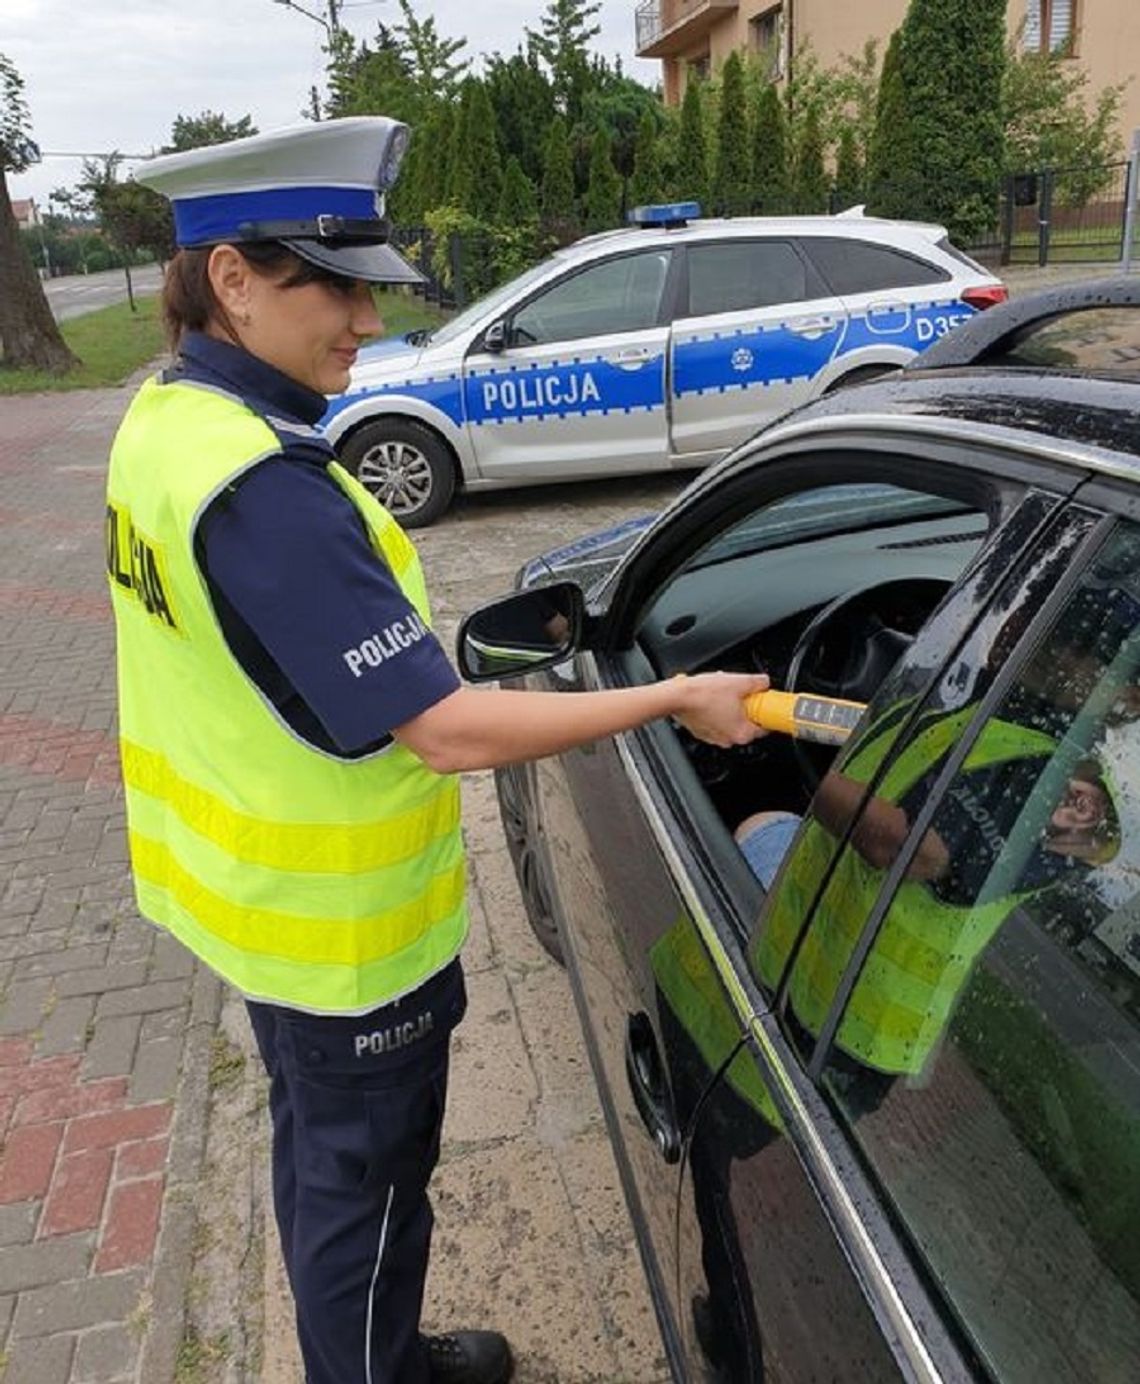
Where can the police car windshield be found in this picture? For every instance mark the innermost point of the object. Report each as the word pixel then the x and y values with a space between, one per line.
pixel 487 305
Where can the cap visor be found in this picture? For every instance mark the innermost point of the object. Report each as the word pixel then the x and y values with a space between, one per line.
pixel 379 264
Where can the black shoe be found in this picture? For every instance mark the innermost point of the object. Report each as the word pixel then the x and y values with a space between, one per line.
pixel 469 1357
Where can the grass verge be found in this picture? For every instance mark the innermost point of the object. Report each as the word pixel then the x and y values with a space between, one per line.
pixel 402 313
pixel 111 342
pixel 114 342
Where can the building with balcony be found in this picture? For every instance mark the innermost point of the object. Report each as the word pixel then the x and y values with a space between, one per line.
pixel 1103 36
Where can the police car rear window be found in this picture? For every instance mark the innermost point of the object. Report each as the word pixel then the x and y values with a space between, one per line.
pixel 952 250
pixel 732 276
pixel 1093 340
pixel 853 266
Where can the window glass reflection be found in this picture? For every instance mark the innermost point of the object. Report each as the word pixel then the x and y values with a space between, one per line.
pixel 988 1060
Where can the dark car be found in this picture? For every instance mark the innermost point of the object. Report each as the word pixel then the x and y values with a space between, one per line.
pixel 874 1091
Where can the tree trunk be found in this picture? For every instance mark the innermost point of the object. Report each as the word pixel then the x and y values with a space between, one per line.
pixel 29 337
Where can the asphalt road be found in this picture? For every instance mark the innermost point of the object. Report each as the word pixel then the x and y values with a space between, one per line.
pixel 75 294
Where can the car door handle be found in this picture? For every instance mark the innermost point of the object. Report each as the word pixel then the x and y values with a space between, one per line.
pixel 633 357
pixel 647 1084
pixel 813 324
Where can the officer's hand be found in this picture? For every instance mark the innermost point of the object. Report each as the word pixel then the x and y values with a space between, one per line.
pixel 711 707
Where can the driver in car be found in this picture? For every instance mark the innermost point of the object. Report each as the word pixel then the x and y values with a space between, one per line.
pixel 1082 827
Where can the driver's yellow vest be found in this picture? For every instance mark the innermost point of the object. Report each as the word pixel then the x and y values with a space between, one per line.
pixel 925 948
pixel 306 880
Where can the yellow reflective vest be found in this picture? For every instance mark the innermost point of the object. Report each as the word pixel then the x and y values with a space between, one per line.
pixel 688 982
pixel 319 883
pixel 925 948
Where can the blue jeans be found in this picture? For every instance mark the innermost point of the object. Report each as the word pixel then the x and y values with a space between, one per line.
pixel 766 845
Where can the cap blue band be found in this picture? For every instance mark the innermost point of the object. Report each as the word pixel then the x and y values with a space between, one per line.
pixel 207 220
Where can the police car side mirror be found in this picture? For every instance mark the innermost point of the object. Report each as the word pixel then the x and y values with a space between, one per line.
pixel 523 633
pixel 495 338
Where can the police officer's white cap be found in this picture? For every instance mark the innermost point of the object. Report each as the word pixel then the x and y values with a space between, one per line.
pixel 317 187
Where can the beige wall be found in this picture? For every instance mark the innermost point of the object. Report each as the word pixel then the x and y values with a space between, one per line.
pixel 1108 39
pixel 1108 48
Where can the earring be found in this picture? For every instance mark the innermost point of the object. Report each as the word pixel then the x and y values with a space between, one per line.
pixel 245 319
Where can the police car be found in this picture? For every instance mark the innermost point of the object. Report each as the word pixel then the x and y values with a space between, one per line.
pixel 660 346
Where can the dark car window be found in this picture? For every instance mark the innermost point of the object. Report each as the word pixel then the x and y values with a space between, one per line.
pixel 948 248
pixel 730 276
pixel 805 891
pixel 1091 339
pixel 890 552
pixel 988 1057
pixel 853 266
pixel 747 593
pixel 619 295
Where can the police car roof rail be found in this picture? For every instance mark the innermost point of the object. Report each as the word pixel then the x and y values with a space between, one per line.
pixel 986 335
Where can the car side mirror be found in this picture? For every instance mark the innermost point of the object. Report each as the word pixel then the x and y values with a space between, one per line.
pixel 523 633
pixel 495 337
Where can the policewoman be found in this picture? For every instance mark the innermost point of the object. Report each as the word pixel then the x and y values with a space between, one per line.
pixel 292 807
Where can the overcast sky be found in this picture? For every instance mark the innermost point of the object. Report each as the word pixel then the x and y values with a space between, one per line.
pixel 112 74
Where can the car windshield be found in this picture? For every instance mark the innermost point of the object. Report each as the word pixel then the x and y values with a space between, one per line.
pixel 487 305
pixel 798 518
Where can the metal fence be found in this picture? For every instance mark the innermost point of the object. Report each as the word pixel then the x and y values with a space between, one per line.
pixel 1042 216
pixel 1064 215
pixel 418 246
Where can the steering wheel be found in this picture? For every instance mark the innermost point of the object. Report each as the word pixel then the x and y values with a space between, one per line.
pixel 849 647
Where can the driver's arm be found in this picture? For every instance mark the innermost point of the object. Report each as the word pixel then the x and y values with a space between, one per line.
pixel 880 830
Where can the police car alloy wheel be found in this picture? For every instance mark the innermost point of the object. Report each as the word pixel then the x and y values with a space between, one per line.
pixel 407 468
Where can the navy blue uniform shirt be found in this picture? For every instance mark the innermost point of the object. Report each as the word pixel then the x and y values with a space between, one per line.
pixel 312 614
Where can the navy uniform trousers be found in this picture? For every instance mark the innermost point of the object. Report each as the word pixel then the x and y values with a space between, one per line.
pixel 357 1105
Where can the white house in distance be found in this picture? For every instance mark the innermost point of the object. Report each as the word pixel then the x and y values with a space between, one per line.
pixel 27 214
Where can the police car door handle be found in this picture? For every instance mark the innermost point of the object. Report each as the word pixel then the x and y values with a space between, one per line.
pixel 813 324
pixel 633 356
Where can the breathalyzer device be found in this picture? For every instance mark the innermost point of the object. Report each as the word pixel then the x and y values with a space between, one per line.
pixel 826 720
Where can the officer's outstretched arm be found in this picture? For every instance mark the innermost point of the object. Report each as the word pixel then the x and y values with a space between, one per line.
pixel 476 729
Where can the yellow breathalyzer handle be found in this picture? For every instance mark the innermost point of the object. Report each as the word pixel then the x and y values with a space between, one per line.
pixel 826 720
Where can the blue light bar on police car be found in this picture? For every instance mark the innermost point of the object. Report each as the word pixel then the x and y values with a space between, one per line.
pixel 664 214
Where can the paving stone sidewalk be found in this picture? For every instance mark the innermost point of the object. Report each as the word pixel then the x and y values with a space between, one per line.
pixel 105 1026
